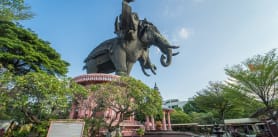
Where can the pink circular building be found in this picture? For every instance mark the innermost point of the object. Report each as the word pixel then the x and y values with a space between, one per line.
pixel 82 108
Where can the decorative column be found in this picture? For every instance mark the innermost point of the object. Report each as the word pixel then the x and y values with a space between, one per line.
pixel 73 111
pixel 164 122
pixel 132 117
pixel 169 121
pixel 147 123
pixel 153 125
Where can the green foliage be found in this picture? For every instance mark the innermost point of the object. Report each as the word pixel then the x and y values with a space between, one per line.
pixel 5 79
pixel 242 105
pixel 140 132
pixel 152 103
pixel 37 97
pixel 40 129
pixel 28 94
pixel 92 127
pixel 218 102
pixel 21 51
pixel 257 77
pixel 13 10
pixel 144 99
pixel 178 116
pixel 24 130
pixel 213 99
pixel 20 131
pixel 202 118
pixel 191 106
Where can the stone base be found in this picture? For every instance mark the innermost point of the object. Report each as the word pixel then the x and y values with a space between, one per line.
pixel 169 134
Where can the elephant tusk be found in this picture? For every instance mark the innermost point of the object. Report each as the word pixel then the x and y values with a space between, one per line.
pixel 174 54
pixel 173 47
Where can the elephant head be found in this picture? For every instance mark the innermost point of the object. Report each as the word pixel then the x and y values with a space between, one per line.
pixel 149 34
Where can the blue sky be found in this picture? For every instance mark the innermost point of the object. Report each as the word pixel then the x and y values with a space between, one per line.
pixel 212 34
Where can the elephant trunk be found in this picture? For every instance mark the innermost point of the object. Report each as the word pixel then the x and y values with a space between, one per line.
pixel 166 60
pixel 165 48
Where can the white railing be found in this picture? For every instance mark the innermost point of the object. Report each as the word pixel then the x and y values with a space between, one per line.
pixel 95 77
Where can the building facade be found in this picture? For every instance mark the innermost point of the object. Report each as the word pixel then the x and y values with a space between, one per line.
pixel 174 103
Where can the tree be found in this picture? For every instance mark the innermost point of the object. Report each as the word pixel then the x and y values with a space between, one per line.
pixel 178 116
pixel 124 97
pixel 191 106
pixel 212 99
pixel 258 77
pixel 33 88
pixel 5 79
pixel 37 97
pixel 13 10
pixel 224 101
pixel 243 105
pixel 202 117
pixel 21 51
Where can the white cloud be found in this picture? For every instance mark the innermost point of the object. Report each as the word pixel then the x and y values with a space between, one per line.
pixel 177 36
pixel 183 33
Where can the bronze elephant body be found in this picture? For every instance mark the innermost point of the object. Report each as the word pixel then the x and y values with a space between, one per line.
pixel 118 55
pixel 114 55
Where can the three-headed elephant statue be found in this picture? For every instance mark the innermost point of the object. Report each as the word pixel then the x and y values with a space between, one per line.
pixel 118 55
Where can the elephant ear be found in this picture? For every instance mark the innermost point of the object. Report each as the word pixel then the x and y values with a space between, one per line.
pixel 146 30
pixel 144 34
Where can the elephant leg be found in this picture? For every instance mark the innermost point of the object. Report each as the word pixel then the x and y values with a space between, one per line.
pixel 118 58
pixel 91 66
pixel 129 67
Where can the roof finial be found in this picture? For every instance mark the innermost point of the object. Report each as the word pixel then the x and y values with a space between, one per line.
pixel 156 87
